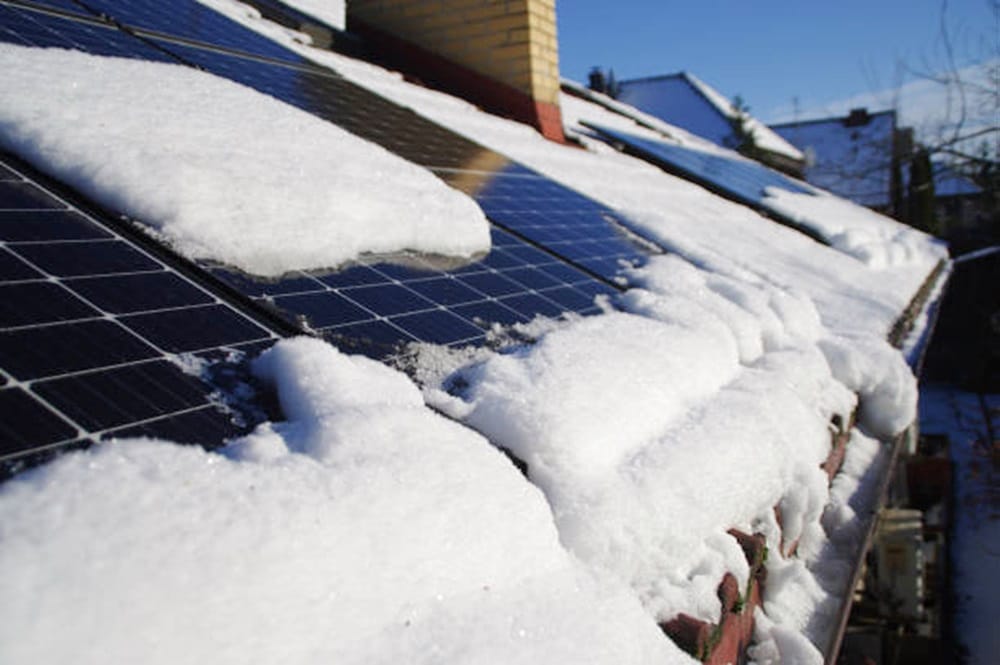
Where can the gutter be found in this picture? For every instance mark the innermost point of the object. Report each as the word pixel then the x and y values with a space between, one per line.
pixel 900 329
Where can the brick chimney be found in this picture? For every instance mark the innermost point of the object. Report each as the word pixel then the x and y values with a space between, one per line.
pixel 499 54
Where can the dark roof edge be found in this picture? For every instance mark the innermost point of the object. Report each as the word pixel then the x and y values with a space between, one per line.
pixel 655 77
pixel 830 119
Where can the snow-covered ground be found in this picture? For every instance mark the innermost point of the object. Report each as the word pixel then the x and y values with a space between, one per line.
pixel 268 191
pixel 368 528
pixel 975 535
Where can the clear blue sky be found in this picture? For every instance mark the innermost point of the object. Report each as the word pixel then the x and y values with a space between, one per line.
pixel 771 51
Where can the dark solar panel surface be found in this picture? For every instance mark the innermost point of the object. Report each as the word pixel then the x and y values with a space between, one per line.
pixel 19 25
pixel 741 178
pixel 191 20
pixel 63 5
pixel 89 323
pixel 373 308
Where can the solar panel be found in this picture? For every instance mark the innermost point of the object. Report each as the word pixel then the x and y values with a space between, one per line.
pixel 554 249
pixel 191 20
pixel 736 178
pixel 376 307
pixel 30 27
pixel 516 198
pixel 91 328
pixel 69 6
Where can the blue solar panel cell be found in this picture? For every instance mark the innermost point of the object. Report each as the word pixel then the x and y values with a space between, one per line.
pixel 13 268
pixel 207 426
pixel 30 303
pixel 129 293
pixel 23 196
pixel 98 257
pixel 21 226
pixel 446 290
pixel 322 309
pixel 439 326
pixel 104 400
pixel 37 352
pixel 35 424
pixel 194 328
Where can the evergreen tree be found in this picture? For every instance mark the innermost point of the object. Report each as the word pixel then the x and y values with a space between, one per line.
pixel 921 192
pixel 742 138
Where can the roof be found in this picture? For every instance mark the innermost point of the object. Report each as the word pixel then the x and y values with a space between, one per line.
pixel 850 158
pixel 947 182
pixel 630 341
pixel 688 102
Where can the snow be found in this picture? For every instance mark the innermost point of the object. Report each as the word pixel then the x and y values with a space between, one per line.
pixel 876 240
pixel 331 12
pixel 626 421
pixel 268 192
pixel 365 529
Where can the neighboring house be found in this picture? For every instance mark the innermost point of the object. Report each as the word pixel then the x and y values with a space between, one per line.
pixel 966 214
pixel 688 102
pixel 859 156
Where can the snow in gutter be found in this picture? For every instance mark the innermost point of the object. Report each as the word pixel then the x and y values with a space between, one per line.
pixel 223 172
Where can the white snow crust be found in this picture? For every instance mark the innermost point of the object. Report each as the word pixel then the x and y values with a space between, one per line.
pixel 872 238
pixel 703 407
pixel 221 171
pixel 331 12
pixel 365 529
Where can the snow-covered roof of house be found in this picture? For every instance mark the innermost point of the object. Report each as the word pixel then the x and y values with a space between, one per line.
pixel 632 340
pixel 686 101
pixel 949 182
pixel 850 156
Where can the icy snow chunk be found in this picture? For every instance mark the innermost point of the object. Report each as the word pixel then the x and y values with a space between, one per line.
pixel 627 424
pixel 759 316
pixel 399 536
pixel 872 238
pixel 587 395
pixel 879 374
pixel 223 172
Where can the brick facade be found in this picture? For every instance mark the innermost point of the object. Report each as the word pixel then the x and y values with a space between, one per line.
pixel 501 54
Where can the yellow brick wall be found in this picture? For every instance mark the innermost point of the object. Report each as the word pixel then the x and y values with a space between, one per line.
pixel 510 41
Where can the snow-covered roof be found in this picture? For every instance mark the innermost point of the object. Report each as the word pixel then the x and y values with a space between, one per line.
pixel 852 159
pixel 949 182
pixel 374 518
pixel 684 100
